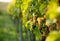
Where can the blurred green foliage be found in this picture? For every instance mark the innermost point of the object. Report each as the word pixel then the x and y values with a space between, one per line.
pixel 7 28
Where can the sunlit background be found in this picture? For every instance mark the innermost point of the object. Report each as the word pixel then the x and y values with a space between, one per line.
pixel 4 4
pixel 5 0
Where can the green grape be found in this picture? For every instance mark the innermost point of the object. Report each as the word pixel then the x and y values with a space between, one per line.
pixel 53 36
